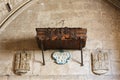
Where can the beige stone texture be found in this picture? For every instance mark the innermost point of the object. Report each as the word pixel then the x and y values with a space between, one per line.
pixel 18 78
pixel 100 77
pixel 101 19
pixel 3 77
pixel 115 68
pixel 115 55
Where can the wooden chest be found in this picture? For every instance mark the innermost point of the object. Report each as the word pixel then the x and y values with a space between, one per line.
pixel 61 38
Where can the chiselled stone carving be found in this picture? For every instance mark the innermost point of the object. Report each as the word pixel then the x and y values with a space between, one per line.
pixel 100 62
pixel 22 62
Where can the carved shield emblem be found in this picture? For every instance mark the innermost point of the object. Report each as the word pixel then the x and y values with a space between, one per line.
pixel 100 62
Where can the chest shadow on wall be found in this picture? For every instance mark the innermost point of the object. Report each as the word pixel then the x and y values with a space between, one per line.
pixel 20 44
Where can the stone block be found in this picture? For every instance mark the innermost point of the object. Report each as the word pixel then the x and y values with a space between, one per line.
pixel 36 68
pixel 115 66
pixel 3 77
pixel 76 55
pixel 10 34
pixel 73 5
pixel 90 6
pixel 37 62
pixel 116 77
pixel 47 55
pixel 94 44
pixel 115 55
pixel 6 61
pixel 83 77
pixel 111 44
pixel 58 77
pixel 75 68
pixel 4 69
pixel 39 78
pixel 6 55
pixel 49 5
pixel 97 77
pixel 71 68
pixel 48 67
pixel 63 16
pixel 18 78
pixel 96 34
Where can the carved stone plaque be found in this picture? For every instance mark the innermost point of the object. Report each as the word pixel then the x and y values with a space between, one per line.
pixel 22 63
pixel 100 62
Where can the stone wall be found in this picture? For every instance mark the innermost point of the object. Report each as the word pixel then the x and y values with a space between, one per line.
pixel 101 19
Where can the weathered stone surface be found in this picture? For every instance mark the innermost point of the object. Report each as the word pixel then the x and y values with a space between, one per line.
pixel 101 19
pixel 18 78
pixel 111 44
pixel 4 68
pixel 115 55
pixel 115 66
pixel 76 55
pixel 117 77
pixel 52 67
pixel 100 77
pixel 94 44
pixel 3 77
pixel 58 77
pixel 6 62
